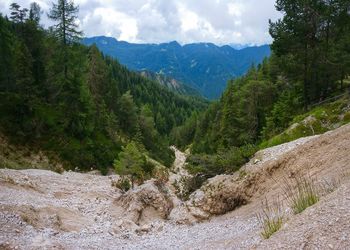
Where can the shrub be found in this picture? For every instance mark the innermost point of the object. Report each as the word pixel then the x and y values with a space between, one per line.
pixel 346 118
pixel 230 160
pixel 187 185
pixel 225 161
pixel 248 150
pixel 131 162
pixel 123 184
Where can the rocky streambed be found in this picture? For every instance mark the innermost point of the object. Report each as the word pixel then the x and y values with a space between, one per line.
pixel 44 210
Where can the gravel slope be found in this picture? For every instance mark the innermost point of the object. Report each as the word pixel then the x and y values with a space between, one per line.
pixel 44 210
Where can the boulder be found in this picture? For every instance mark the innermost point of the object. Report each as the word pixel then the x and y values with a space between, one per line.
pixel 146 203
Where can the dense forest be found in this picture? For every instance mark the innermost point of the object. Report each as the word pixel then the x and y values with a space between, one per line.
pixel 310 62
pixel 68 99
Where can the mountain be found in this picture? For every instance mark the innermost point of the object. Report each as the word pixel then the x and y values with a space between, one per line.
pixel 204 66
pixel 81 106
pixel 171 83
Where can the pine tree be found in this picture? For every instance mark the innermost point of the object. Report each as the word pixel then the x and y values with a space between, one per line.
pixel 6 55
pixel 66 30
pixel 35 12
pixel 131 162
pixel 65 13
pixel 127 115
pixel 18 15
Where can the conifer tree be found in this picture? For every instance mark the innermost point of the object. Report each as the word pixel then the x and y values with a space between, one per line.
pixel 128 118
pixel 66 30
pixel 131 162
pixel 66 14
pixel 18 15
pixel 35 12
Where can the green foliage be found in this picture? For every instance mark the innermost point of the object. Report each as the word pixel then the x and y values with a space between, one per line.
pixel 123 184
pixel 223 162
pixel 71 100
pixel 187 185
pixel 240 115
pixel 301 193
pixel 131 162
pixel 247 151
pixel 184 135
pixel 309 43
pixel 271 218
pixel 309 63
pixel 284 110
pixel 128 112
pixel 65 13
pixel 317 121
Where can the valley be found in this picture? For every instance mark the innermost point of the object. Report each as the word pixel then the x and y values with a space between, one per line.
pixel 205 67
pixel 150 144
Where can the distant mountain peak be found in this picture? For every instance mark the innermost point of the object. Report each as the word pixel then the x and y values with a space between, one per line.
pixel 206 67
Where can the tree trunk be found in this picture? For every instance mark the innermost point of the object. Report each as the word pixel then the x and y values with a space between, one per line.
pixel 306 85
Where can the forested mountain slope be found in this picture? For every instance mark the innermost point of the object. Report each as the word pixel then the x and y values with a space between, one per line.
pixel 69 99
pixel 171 83
pixel 204 66
pixel 310 64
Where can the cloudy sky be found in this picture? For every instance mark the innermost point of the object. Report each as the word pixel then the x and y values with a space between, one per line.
pixel 186 21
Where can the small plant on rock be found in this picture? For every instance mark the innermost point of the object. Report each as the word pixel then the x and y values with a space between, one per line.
pixel 123 184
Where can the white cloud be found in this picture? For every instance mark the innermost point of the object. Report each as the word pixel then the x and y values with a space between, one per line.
pixel 107 21
pixel 155 21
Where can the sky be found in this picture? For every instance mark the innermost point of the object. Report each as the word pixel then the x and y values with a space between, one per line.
pixel 186 21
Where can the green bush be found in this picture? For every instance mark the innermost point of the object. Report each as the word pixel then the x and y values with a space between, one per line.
pixel 123 184
pixel 224 162
pixel 346 118
pixel 131 163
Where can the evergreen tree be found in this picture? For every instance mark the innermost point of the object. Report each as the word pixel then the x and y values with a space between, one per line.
pixel 307 40
pixel 131 162
pixel 65 13
pixel 127 115
pixel 66 30
pixel 35 12
pixel 18 14
pixel 6 55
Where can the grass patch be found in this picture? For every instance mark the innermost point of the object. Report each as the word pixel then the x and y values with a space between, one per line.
pixel 301 193
pixel 271 218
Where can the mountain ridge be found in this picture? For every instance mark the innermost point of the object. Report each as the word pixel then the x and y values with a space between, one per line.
pixel 203 66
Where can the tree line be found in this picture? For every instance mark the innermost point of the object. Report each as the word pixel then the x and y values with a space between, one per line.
pixel 71 100
pixel 310 62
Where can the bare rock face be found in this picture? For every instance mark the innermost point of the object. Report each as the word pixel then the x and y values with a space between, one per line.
pixel 225 193
pixel 146 203
pixel 220 195
pixel 182 215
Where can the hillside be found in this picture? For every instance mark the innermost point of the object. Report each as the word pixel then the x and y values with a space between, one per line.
pixel 171 83
pixel 77 105
pixel 204 66
pixel 80 211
